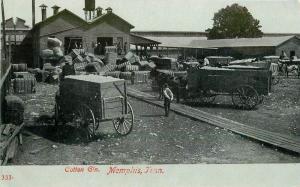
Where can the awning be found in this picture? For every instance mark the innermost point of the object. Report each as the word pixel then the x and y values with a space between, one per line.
pixel 141 41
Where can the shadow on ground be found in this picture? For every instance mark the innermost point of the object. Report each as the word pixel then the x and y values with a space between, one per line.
pixel 67 134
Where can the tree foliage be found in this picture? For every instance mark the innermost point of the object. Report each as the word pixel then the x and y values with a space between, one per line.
pixel 234 21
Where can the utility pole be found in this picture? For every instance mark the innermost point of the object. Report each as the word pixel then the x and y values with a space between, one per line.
pixel 3 29
pixel 33 13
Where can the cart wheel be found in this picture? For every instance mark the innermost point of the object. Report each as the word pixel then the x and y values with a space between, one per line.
pixel 245 97
pixel 124 125
pixel 208 98
pixel 84 118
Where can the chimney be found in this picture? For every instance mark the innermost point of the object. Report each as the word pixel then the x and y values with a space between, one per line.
pixel 55 9
pixel 109 10
pixel 44 11
pixel 33 13
pixel 99 11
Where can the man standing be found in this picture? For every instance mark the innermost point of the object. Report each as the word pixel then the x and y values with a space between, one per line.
pixel 168 98
pixel 67 69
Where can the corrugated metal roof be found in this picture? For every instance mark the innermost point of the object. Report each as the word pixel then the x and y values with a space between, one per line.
pixel 176 42
pixel 240 42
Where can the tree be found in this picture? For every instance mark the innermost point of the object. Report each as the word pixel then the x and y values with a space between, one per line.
pixel 234 21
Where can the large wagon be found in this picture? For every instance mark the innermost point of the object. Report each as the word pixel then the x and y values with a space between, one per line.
pixel 243 85
pixel 87 100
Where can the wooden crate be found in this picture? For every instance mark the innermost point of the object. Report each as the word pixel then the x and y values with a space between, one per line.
pixel 103 94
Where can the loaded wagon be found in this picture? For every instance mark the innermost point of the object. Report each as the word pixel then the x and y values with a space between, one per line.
pixel 218 61
pixel 87 100
pixel 245 86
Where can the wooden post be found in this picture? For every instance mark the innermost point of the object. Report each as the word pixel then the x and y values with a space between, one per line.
pixel 33 13
pixel 125 95
pixel 3 30
pixel 136 49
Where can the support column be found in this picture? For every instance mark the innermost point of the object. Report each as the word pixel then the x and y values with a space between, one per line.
pixel 136 49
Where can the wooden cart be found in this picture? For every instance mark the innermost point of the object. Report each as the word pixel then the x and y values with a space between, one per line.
pixel 87 100
pixel 244 86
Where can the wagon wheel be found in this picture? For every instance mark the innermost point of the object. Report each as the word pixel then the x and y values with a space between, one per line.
pixel 124 125
pixel 84 118
pixel 208 98
pixel 245 97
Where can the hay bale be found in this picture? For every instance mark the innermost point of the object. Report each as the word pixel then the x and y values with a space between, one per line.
pixel 58 52
pixel 47 53
pixel 53 42
pixel 14 110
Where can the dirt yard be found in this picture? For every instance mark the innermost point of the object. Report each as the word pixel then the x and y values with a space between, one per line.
pixel 155 139
pixel 279 112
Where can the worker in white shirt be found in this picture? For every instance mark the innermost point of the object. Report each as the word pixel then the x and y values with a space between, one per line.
pixel 168 98
pixel 206 62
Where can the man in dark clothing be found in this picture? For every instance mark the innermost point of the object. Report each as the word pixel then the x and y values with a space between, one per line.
pixel 67 69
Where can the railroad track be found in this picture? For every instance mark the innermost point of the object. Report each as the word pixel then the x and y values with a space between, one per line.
pixel 271 138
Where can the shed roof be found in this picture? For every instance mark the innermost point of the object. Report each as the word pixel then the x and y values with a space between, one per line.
pixel 81 22
pixel 241 42
pixel 175 42
pixel 140 40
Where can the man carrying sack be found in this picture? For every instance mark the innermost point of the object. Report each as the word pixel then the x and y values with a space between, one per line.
pixel 168 98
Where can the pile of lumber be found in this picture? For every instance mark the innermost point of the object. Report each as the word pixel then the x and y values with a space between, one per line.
pixel 10 139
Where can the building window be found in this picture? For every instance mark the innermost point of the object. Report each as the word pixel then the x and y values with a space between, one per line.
pixel 292 53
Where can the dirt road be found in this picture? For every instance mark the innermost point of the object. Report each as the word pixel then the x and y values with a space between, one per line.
pixel 155 139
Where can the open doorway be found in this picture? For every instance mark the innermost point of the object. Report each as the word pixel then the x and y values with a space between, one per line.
pixel 72 43
pixel 292 54
pixel 102 42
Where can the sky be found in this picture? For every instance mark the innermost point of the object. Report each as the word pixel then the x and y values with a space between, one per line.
pixel 276 16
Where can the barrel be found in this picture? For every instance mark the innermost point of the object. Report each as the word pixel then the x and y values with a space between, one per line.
pixel 25 84
pixel 111 58
pixel 141 76
pixel 115 74
pixel 19 67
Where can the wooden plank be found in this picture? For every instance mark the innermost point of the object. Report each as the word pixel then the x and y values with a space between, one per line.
pixel 7 143
pixel 8 128
pixel 275 139
pixel 5 76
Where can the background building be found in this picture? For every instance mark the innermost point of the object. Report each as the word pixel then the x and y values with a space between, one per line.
pixel 16 30
pixel 93 34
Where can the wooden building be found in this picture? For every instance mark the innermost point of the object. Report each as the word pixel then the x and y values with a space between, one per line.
pixel 105 29
pixel 252 47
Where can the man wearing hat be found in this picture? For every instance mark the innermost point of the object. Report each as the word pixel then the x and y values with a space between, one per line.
pixel 67 69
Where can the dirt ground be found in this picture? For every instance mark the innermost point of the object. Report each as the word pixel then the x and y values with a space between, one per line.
pixel 279 112
pixel 155 139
